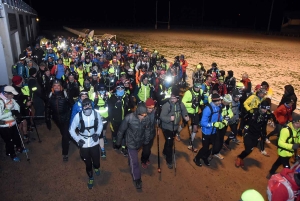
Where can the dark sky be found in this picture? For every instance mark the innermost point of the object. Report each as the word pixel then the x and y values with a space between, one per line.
pixel 231 13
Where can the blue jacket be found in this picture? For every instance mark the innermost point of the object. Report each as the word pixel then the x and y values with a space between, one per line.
pixel 53 55
pixel 77 107
pixel 207 126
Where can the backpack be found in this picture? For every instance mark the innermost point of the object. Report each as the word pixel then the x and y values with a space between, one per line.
pixel 290 136
pixel 274 183
pixel 82 125
pixel 200 97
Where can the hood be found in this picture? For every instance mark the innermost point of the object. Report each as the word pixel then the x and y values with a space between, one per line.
pixel 289 175
pixel 289 88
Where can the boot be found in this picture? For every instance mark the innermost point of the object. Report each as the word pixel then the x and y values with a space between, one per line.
pixel 138 183
pixel 90 184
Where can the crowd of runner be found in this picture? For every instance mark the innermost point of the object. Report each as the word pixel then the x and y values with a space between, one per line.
pixel 85 84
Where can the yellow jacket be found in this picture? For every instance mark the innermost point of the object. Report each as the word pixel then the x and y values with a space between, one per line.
pixel 285 142
pixel 252 102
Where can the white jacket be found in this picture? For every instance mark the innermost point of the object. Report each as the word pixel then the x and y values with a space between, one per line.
pixel 88 121
pixel 6 106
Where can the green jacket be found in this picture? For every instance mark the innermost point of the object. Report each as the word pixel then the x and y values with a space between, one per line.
pixel 284 145
pixel 187 100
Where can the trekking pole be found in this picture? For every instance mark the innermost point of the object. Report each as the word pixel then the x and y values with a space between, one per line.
pixel 28 159
pixel 174 153
pixel 158 159
pixel 37 133
pixel 192 144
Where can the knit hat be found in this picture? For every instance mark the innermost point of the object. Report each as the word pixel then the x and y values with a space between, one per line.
pixel 32 71
pixel 141 109
pixel 150 103
pixel 227 98
pixel 215 97
pixel 16 80
pixel 175 92
pixel 265 104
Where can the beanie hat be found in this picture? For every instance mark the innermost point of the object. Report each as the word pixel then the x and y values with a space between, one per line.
pixel 32 71
pixel 265 104
pixel 150 103
pixel 215 97
pixel 141 109
pixel 175 92
pixel 264 83
pixel 227 98
pixel 16 80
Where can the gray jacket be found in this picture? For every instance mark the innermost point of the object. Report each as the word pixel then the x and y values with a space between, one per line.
pixel 235 110
pixel 170 109
pixel 137 132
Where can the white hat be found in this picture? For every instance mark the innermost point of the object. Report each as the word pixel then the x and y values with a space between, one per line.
pixel 10 89
pixel 227 98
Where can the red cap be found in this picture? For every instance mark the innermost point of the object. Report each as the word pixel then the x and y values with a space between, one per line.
pixel 16 80
pixel 150 103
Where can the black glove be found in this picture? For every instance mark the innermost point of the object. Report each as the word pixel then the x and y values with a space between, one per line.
pixel 95 137
pixel 295 146
pixel 81 143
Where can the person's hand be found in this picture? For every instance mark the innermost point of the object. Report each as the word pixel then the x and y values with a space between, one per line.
pixel 95 137
pixel 217 124
pixel 186 118
pixel 28 103
pixel 172 118
pixel 81 142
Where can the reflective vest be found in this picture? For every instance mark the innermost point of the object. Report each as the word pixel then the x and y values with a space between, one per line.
pixel 144 92
pixel 87 67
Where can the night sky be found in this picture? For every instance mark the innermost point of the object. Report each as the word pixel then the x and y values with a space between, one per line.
pixel 253 14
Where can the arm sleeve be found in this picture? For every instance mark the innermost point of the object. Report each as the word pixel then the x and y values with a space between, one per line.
pixel 123 127
pixel 72 128
pixel 186 99
pixel 247 103
pixel 164 116
pixel 74 112
pixel 100 124
pixel 204 120
pixel 16 106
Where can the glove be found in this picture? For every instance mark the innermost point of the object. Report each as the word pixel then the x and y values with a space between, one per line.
pixel 95 137
pixel 81 143
pixel 295 146
pixel 217 124
pixel 225 122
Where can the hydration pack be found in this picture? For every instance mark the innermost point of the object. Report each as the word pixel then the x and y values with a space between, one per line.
pixel 82 125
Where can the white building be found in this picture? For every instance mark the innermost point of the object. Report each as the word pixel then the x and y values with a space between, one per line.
pixel 18 27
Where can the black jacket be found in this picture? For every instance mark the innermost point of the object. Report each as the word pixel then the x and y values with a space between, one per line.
pixel 59 107
pixel 137 132
pixel 257 123
pixel 118 107
pixel 288 96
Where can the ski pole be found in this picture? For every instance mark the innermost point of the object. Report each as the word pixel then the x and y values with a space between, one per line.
pixel 174 153
pixel 25 117
pixel 158 158
pixel 28 159
pixel 37 133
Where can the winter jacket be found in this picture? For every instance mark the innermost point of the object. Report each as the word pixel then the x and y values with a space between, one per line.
pixel 281 193
pixel 118 107
pixel 6 106
pixel 206 122
pixel 163 94
pixel 189 97
pixel 284 145
pixel 226 111
pixel 247 85
pixel 257 123
pixel 184 64
pixel 170 109
pixel 206 91
pixel 230 82
pixel 137 132
pixel 86 134
pixel 59 107
pixel 283 114
pixel 252 102
pixel 288 96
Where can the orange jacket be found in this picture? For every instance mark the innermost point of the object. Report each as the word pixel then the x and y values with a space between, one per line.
pixel 283 114
pixel 184 64
pixel 138 75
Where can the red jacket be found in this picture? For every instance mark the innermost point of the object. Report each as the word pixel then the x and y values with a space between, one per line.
pixel 283 114
pixel 280 193
pixel 184 64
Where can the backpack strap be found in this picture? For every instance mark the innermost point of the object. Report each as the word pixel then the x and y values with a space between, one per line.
pixel 82 125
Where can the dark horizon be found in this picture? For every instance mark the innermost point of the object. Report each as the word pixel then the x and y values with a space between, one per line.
pixel 249 14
